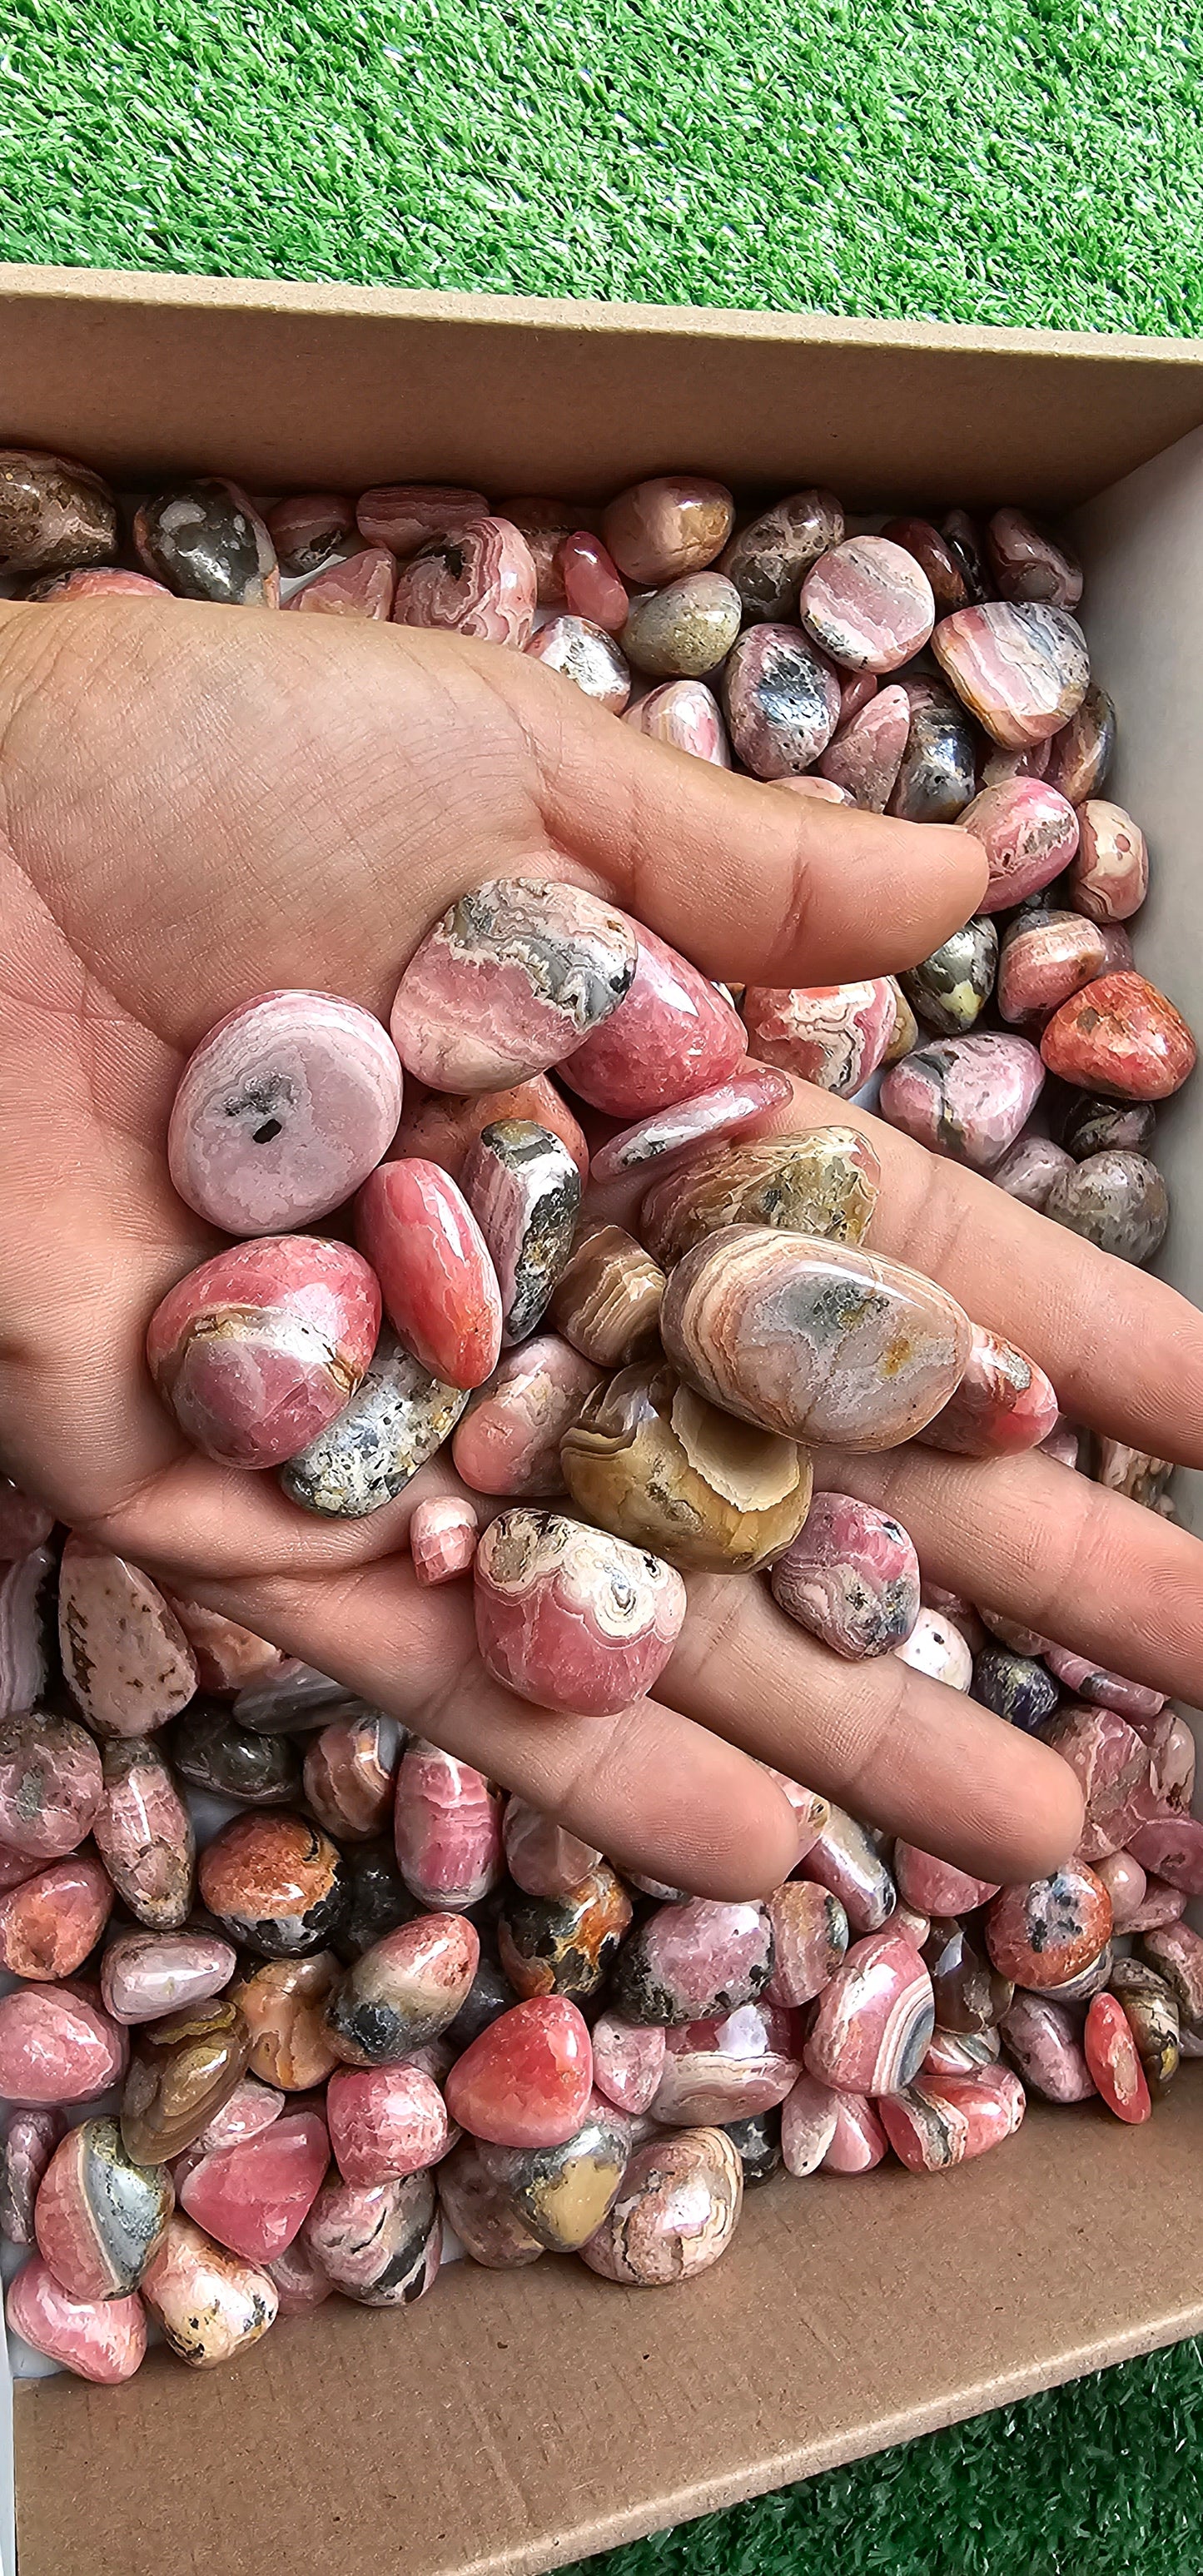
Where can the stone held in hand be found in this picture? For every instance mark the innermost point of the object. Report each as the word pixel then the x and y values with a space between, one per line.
pixel 824 1182
pixel 606 1301
pixel 1003 1405
pixel 512 978
pixel 675 2214
pixel 100 2218
pixel 524 1190
pixel 571 1618
pixel 938 1647
pixel 674 1034
pixel 54 513
pixel 442 1127
pixel 205 539
pixel 835 1035
pixel 103 2340
pixel 509 1441
pixel 257 1350
pixel 281 1111
pixel 126 1659
pixel 442 1539
pixel 781 698
pixel 416 1228
pixel 651 1461
pixel 447 1828
pixel 850 1577
pixel 739 1108
pixel 397 1418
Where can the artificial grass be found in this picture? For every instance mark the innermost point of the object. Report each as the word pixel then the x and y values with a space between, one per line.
pixel 1015 161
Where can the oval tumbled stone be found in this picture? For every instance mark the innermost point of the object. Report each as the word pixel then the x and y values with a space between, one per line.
pixel 282 1110
pixel 511 979
pixel 811 1340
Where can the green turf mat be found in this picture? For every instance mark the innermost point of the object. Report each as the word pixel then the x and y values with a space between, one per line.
pixel 1013 161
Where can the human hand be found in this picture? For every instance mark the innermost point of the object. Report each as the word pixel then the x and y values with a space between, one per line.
pixel 201 806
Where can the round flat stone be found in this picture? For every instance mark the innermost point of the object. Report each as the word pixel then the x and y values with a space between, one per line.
pixel 206 540
pixel 850 1578
pixel 480 582
pixel 1045 2040
pixel 781 698
pixel 835 1035
pixel 1020 667
pixel 256 1351
pixel 56 2047
pixel 938 770
pixel 282 1111
pixel 404 1991
pixel 693 1962
pixel 511 979
pixel 868 603
pixel 397 1418
pixel 51 1921
pixel 739 1108
pixel 572 1618
pixel 439 1286
pixel 673 1035
pixel 125 1656
pixel 967 1098
pixel 684 630
pixel 1122 1037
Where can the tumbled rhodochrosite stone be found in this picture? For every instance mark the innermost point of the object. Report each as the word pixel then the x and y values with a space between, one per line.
pixel 1029 832
pixel 144 1975
pixel 442 1539
pixel 509 1442
pixel 1116 1200
pixel 686 714
pixel 844 1859
pixel 933 1886
pixel 570 1617
pixel 1081 754
pixel 590 577
pixel 404 516
pixel 937 1646
pixel 684 630
pixel 1027 564
pixel 275 1882
pixel 210 2304
pixel 920 539
pixel 866 757
pixel 1171 1848
pixel 99 581
pixel 50 1922
pixel 964 1097
pixel 668 525
pixel 730 2069
pixel 810 1936
pixel 587 656
pixel 781 698
pixel 1152 2017
pixel 1046 956
pixel 767 559
pixel 547 524
pixel 1044 1933
pixel 1003 1404
pixel 30 2139
pixel 813 1341
pixel 227 1656
pixel 26 1598
pixel 1120 1036
pixel 1021 668
pixel 809 2116
pixel 606 1302
pixel 524 1190
pixel 183 2071
pixel 350 1770
pixel 1126 1884
pixel 206 540
pixel 1099 1126
pixel 100 2217
pixel 99 2339
pixel 542 1857
pixel 481 582
pixel 308 527
pixel 1029 1168
pixel 738 1108
pixel 952 986
pixel 447 1824
pixel 50 1784
pixel 693 1962
pixel 851 1577
pixel 125 1655
pixel 416 1228
pixel 563 2193
pixel 283 2004
pixel 526 2081
pixel 652 1461
pixel 397 1418
pixel 254 2197
pixel 868 603
pixel 380 2243
pixel 53 513
pixel 674 1035
pixel 1114 2061
pixel 404 1991
pixel 824 1183
pixel 1110 875
pixel 943 2120
pixel 675 2214
pixel 937 774
pixel 144 1834
pixel 970 1993
pixel 874 2019
pixel 1176 1952
pixel 385 2121
pixel 628 2059
pixel 363 586
pixel 55 2047
pixel 1045 2040
pixel 832 1034
pixel 259 1349
pixel 281 1111
pixel 564 1945
pixel 512 978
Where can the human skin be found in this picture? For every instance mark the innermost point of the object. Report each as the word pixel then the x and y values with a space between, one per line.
pixel 203 804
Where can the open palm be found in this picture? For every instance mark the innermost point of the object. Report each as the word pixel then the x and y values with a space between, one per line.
pixel 198 805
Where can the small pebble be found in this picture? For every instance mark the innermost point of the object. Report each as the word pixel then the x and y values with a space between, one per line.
pixel 686 714
pixel 385 2121
pixel 440 1291
pixel 670 525
pixel 404 1991
pixel 851 1578
pixel 1021 669
pixel 480 582
pixel 397 1418
pixel 275 1883
pixel 509 1441
pixel 768 558
pixel 1046 956
pixel 1029 832
pixel 511 979
pixel 256 1351
pixel 1018 1688
pixel 684 630
pixel 526 2081
pixel 967 1098
pixel 845 1859
pixel 781 699
pixel 1027 564
pixel 695 1961
pixel 1102 1126
pixel 606 1302
pixel 730 2069
pixel 281 1111
pixel 1109 878
pixel 1120 1036
pixel 1114 2062
pixel 210 1751
pixel 674 1034
pixel 868 603
pixel 653 1462
pixel 1152 2017
pixel 866 756
pixel 1045 2040
pixel 524 1190
pixel 1081 754
pixel 51 1784
pixel 146 1975
pixel 99 2339
pixel 934 555
pixel 447 1828
pixel 587 656
pixel 628 2061
pixel 1003 1405
pixel 810 1937
pixel 50 1922
pixel 564 1945
pixel 308 527
pixel 210 2305
pixel 183 2070
pixel 126 1659
pixel 144 1834
pixel 934 1887
pixel 825 1182
pixel 442 1539
pixel 283 2003
pixel 254 2197
pixel 944 2120
pixel 835 1035
pixel 937 773
pixel 952 986
pixel 971 1995
pixel 54 513
pixel 676 2213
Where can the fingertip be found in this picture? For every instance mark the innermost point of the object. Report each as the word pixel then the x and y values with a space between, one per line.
pixel 1047 1818
pixel 751 1847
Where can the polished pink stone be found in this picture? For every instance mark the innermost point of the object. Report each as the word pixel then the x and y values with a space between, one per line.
pixel 259 1349
pixel 1045 2040
pixel 934 1886
pixel 867 756
pixel 30 2139
pixel 363 586
pixel 668 525
pixel 1126 1884
pixel 144 1834
pixel 509 1442
pixel 307 527
pixel 693 1961
pixel 525 1191
pixel 1029 1168
pixel 686 714
pixel 299 2280
pixel 1114 1768
pixel 350 1774
pixel 628 2061
pixel 571 1618
pixel 938 1647
pixel 1044 959
pixel 542 1857
pixel 1111 2055
pixel 251 2108
pixel 1029 832
pixel 227 1656
pixel 211 2304
pixel 810 1937
pixel 586 655
pixel 781 698
pixel 739 1108
pixel 55 2047
pixel 526 2080
pixel 439 1287
pixel 858 2140
pixel 811 1340
pixel 592 584
pixel 824 790
pixel 1090 1681
pixel 964 1097
pixel 673 1036
pixel 1110 875
pixel 481 583
pixel 1171 1848
pixel 851 1577
pixel 144 1975
pixel 1021 668
pixel 442 1539
pixel 50 1922
pixel 1032 762
pixel 1172 1755
pixel 380 2243
pixel 404 516
pixel 447 1825
pixel 99 2339
pixel 1160 1904
pixel 1003 1404
pixel 874 2018
pixel 960 2052
pixel 1122 1037
pixel 254 2198
pixel 51 1784
pixel 1027 564
pixel 281 1111
pixel 404 1991
pixel 832 1034
pixel 126 1658
pixel 809 2117
pixel 732 2069
pixel 944 2120
pixel 511 979
pixel 844 1859
pixel 24 1523
pixel 443 1128
pixel 96 581
pixel 385 2120
pixel 868 603
pixel 1046 1932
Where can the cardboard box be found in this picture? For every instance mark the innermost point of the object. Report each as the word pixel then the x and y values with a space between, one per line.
pixel 515 2422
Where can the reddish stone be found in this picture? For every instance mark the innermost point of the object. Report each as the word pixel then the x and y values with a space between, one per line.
pixel 284 2004
pixel 125 1655
pixel 438 1284
pixel 227 1656
pixel 673 1036
pixel 1021 668
pixel 30 2139
pixel 1126 1884
pixel 511 979
pixel 564 1945
pixel 24 1523
pixel 259 1349
pixel 543 1858
pixel 447 1826
pixel 350 1776
pixel 739 1108
pixel 282 1110
pixel 934 1886
pixel 307 527
pixel 960 2052
pixel 55 2047
pixel 363 586
pixel 1004 1404
pixel 851 1578
pixel 675 2213
pixel 97 581
pixel 1110 876
pixel 384 2121
pixel 1045 2040
pixel 442 1127
pixel 526 2080
pixel 866 756
pixel 299 2281
pixel 874 2018
pixel 965 1097
pixel 404 1991
pixel 571 1618
pixel 144 1834
pixel 100 2218
pixel 1160 1904
pixel 628 2061
pixel 49 1923
pixel 869 604
pixel 686 714
pixel 945 2120
pixel 1043 1934
pixel 1093 1682
pixel 810 1937
pixel 275 1882
pixel 1045 958
pixel 730 2069
pixel 1114 1768
pixel 254 2198
pixel 404 516
pixel 1114 2062
pixel 442 1539
pixel 50 1785
pixel 99 2339
pixel 1120 1036
pixel 844 1859
pixel 592 586
pixel 832 1034
pixel 1170 1848
pixel 666 526
pixel 935 555
pixel 858 2141
pixel 144 1975
pixel 1027 564
pixel 509 1442
pixel 809 2117
pixel 481 583
pixel 251 2108
pixel 211 2305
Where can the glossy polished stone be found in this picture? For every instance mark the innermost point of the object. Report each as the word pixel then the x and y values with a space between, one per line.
pixel 834 1035
pixel 954 2052
pixel 563 2193
pixel 524 1190
pixel 1151 2013
pixel 738 1108
pixel 936 558
pixel 1114 2060
pixel 1045 2040
pixel 606 1302
pixel 483 2213
pixel 51 1784
pixel 308 527
pixel 965 1097
pixel 1114 1769
pixel 211 2305
pixel 50 1922
pixel 587 656
pixel 228 1657
pixel 845 1860
pixel 1110 875
pixel 669 525
pixel 1171 1848
pixel 404 516
pixel 945 2120
pixel 938 1647
pixel 509 1442
pixel 1126 1884
pixel 809 2118
pixel 440 1291
pixel 526 2080
pixel 1028 564
pixel 1100 1126
pixel 441 1126
pixel 572 1618
pixel 866 756
pixel 1029 832
pixel 1131 1471
pixel 542 1857
pixel 300 2283
pixel 380 2243
pixel 825 1183
pixel 283 2004
pixel 731 2069
pixel 512 978
pixel 810 1937
pixel 686 714
pixel 281 1111
pixel 30 2139
pixel 1046 956
pixel 781 698
pixel 564 1945
pixel 275 1882
pixel 858 2141
pixel 934 1887
pixel 1021 668
pixel 100 2218
pixel 684 630
pixel 256 1351
pixel 442 1539
pixel 99 2339
pixel 144 1834
pixel 385 2121
pixel 56 2047
pixel 651 1461
pixel 26 1597
pixel 364 586
pixel 146 1975
pixel 937 773
pixel 1043 1934
pixel 1004 1404
pixel 1017 1688
pixel 182 2072
pixel 628 2061
pixel 873 2019
pixel 768 558
pixel 1081 754
pixel 868 603
pixel 812 1341
pixel 350 1775
pixel 397 1418
pixel 125 1656
pixel 205 540
pixel 1122 1037
pixel 757 2141
pixel 293 1699
pixel 696 1961
pixel 100 581
pixel 850 1577
pixel 1159 1906
pixel 447 1828
pixel 252 2107
pixel 592 584
pixel 404 1991
pixel 970 1994
pixel 952 986
pixel 210 1751
pixel 673 1035
pixel 675 2214
pixel 253 2198
pixel 1106 1690
pixel 1114 1199
pixel 1176 1952
pixel 479 582
pixel 54 513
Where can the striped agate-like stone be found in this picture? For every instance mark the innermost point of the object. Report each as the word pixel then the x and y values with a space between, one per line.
pixel 868 603
pixel 512 978
pixel 833 1034
pixel 306 528
pixel 259 1349
pixel 874 2020
pixel 363 586
pixel 811 1340
pixel 739 1107
pixel 1029 832
pixel 481 582
pixel 100 2217
pixel 1021 667
pixel 686 714
pixel 1004 1403
pixel 586 655
pixel 945 2119
pixel 867 756
pixel 825 1182
pixel 676 2213
pixel 570 1617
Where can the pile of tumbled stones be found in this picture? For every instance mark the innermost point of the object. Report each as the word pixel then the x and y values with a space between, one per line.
pixel 387 2001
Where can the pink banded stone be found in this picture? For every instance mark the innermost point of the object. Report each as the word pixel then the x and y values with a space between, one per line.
pixel 525 1191
pixel 385 2121
pixel 509 1441
pixel 851 1578
pixel 1090 1681
pixel 944 2120
pixel 206 540
pixel 810 1937
pixel 728 2070
pixel 307 527
pixel 832 1034
pixel 543 1858
pixel 739 1108
pixel 1114 1768
pixel 858 2140
pixel 809 2116
pixel 934 1886
pixel 251 2108
pixel 144 1834
pixel 587 656
pixel 299 2281
pixel 960 2052
pixel 1110 875
pixel 874 2020
pixel 938 1647
pixel 363 586
pixel 1044 959
pixel 1081 754
pixel 628 2061
pixel 931 550
pixel 24 1523
pixel 675 2214
pixel 1126 1884
pixel 100 2217
pixel 844 1859
pixel 447 1827
pixel 255 2197
pixel 30 2139
pixel 571 1618
pixel 50 1922
pixel 54 512
pixel 25 1590
pixel 868 603
pixel 1122 1037
pixel 481 583
pixel 350 1774
pixel 1160 1904
pixel 211 2304
pixel 867 756
pixel 965 1097
pixel 442 1539
pixel 97 581
pixel 1170 1848
pixel 526 2080
pixel 511 979
pixel 55 2047
pixel 673 1036
pixel 686 714
pixel 1029 1168
pixel 99 2339
pixel 1027 564
pixel 380 2243
pixel 1045 2040
pixel 1114 2062
pixel 1021 669
pixel 813 1341
pixel 404 516
pixel 125 1656
pixel 592 585
pixel 1029 832
pixel 256 1351
pixel 51 1784
pixel 1003 1404
pixel 227 1656
pixel 438 1284
pixel 440 1128
pixel 781 698
pixel 668 525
